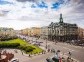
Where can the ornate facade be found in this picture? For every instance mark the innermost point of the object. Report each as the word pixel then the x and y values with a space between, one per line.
pixel 62 31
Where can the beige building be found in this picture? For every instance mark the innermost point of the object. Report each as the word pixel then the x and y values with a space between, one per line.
pixel 7 31
pixel 80 33
pixel 33 31
pixel 24 31
pixel 44 32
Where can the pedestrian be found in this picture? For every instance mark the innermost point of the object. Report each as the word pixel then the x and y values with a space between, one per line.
pixel 69 54
pixel 44 52
pixel 29 55
pixel 60 59
pixel 63 59
pixel 5 51
pixel 22 52
pixel 48 50
pixel 52 50
pixel 15 51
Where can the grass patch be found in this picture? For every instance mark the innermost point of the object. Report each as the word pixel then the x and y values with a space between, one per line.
pixel 24 44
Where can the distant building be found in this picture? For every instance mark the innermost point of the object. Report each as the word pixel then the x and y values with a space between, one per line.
pixel 62 31
pixel 24 31
pixel 35 31
pixel 7 31
pixel 80 33
pixel 44 32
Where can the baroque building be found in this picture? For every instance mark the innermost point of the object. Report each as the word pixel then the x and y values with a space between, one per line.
pixel 62 31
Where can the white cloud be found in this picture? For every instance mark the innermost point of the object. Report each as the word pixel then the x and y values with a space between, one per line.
pixel 21 15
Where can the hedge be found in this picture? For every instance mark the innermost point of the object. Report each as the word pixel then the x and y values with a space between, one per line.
pixel 9 45
pixel 17 45
pixel 26 48
pixel 8 38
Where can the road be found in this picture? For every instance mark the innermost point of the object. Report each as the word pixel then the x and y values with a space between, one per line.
pixel 77 51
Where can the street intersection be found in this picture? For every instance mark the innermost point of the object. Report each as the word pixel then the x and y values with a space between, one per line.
pixel 77 52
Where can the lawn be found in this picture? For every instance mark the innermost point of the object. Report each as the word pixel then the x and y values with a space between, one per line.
pixel 24 43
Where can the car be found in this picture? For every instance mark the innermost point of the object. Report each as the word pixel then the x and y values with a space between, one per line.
pixel 81 44
pixel 67 41
pixel 49 60
pixel 15 60
pixel 40 42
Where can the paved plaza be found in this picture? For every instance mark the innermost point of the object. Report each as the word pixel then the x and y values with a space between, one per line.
pixel 77 52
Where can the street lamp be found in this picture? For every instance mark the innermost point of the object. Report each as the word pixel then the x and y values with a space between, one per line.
pixel 46 43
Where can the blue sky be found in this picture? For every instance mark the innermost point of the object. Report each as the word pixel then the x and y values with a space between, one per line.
pixel 2 2
pixel 20 14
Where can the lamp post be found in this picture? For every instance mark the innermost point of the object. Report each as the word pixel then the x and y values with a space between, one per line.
pixel 46 43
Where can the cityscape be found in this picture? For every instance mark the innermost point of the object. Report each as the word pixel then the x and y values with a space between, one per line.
pixel 41 31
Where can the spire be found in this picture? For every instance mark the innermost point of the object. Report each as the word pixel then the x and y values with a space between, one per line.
pixel 61 19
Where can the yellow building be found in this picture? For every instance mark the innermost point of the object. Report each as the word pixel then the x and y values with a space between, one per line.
pixel 35 31
pixel 24 31
pixel 29 32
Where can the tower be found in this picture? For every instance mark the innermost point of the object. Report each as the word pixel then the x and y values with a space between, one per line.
pixel 61 19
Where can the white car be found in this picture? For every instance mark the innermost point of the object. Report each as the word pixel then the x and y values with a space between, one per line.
pixel 15 60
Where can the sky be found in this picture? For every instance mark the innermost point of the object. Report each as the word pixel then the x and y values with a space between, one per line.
pixel 20 14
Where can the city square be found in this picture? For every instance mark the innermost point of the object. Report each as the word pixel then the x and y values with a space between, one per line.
pixel 41 31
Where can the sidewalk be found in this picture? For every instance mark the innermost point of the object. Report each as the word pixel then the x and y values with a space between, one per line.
pixel 66 59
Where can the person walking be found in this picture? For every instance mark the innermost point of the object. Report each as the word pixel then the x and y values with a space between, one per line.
pixel 70 54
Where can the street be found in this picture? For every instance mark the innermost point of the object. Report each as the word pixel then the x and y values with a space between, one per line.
pixel 77 52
